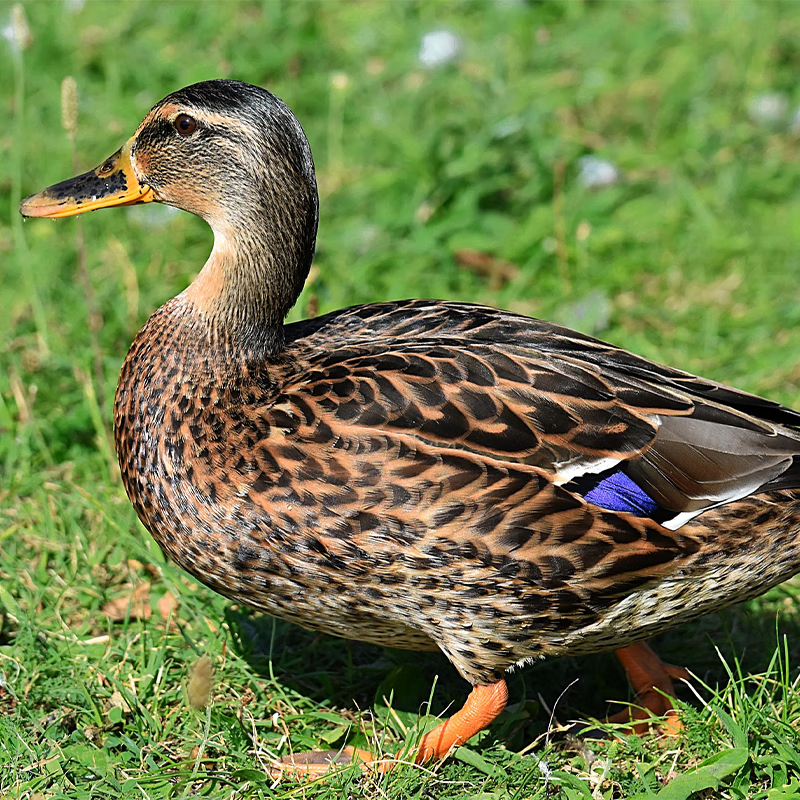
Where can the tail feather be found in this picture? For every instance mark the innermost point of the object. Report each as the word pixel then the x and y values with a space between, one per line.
pixel 788 479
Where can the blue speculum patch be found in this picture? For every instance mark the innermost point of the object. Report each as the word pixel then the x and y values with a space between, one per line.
pixel 617 492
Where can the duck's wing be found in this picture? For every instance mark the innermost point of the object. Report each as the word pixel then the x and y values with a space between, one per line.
pixel 433 320
pixel 622 432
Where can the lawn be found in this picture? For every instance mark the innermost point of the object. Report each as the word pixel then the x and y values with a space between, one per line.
pixel 628 169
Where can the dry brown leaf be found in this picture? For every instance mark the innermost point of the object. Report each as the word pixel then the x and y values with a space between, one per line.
pixel 93 733
pixel 247 697
pixel 134 604
pixel 136 566
pixel 207 763
pixel 167 605
pixel 7 701
pixel 116 700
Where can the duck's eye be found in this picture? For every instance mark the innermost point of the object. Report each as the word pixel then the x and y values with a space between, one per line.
pixel 107 167
pixel 185 124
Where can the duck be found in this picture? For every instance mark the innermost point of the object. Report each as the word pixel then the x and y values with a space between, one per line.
pixel 419 474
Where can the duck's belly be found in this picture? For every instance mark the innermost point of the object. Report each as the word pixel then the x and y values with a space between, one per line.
pixel 301 589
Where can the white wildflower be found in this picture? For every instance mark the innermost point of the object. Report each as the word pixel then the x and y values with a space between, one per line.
pixel 597 173
pixel 438 48
pixel 768 108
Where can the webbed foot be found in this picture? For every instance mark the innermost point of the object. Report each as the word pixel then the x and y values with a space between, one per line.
pixel 651 680
pixel 483 706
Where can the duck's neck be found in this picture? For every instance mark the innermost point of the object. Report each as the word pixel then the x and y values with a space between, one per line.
pixel 253 277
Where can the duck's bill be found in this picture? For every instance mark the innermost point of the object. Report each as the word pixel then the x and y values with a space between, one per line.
pixel 113 183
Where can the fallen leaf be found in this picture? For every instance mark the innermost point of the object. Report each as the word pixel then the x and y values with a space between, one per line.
pixel 206 763
pixel 136 566
pixel 167 605
pixel 247 697
pixel 7 701
pixel 134 604
pixel 116 701
pixel 93 733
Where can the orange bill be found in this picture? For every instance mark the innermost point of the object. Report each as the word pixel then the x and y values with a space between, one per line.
pixel 113 183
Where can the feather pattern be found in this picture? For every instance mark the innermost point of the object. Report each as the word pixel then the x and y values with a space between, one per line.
pixel 415 477
pixel 418 474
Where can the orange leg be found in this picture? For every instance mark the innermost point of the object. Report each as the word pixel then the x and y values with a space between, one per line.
pixel 483 706
pixel 649 676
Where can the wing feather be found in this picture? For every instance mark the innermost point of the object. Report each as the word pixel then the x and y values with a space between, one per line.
pixel 519 390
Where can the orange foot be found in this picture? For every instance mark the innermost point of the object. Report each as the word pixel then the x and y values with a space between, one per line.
pixel 651 680
pixel 483 706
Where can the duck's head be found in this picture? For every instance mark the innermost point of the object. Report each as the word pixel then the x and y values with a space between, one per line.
pixel 235 155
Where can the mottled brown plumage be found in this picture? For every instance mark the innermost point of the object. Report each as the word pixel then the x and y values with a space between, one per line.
pixel 419 474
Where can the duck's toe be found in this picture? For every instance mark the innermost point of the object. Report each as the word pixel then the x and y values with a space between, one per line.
pixel 651 680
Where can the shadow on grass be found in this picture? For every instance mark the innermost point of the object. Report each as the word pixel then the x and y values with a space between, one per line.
pixel 358 676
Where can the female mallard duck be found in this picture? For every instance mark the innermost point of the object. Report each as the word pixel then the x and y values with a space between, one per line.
pixel 419 474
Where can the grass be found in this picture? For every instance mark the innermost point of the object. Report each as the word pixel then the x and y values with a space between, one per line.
pixel 691 258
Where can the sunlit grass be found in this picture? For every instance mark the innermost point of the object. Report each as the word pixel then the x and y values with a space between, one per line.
pixel 460 180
